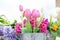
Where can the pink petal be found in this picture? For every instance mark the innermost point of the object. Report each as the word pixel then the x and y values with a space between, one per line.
pixel 27 12
pixel 35 13
pixel 25 21
pixel 21 8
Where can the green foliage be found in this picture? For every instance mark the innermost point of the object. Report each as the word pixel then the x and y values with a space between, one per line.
pixel 58 22
pixel 51 22
pixel 4 21
pixel 54 34
pixel 40 20
pixel 13 24
pixel 28 27
pixel 36 30
pixel 58 33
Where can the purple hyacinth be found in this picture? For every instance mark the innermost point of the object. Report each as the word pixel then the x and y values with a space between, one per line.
pixel 1 30
pixel 1 33
pixel 44 25
pixel 11 36
pixel 6 30
pixel 9 33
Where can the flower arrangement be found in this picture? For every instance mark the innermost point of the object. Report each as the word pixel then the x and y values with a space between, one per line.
pixel 34 23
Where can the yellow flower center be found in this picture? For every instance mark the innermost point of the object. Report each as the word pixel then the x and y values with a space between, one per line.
pixel 55 27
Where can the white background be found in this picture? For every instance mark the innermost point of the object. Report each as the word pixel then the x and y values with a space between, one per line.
pixel 10 8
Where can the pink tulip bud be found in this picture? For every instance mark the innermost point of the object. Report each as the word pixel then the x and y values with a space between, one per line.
pixel 27 13
pixel 21 8
pixel 25 21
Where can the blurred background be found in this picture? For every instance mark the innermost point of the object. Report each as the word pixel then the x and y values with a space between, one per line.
pixel 10 8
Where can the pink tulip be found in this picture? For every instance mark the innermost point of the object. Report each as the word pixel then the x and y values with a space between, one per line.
pixel 18 28
pixel 27 13
pixel 35 13
pixel 21 8
pixel 24 21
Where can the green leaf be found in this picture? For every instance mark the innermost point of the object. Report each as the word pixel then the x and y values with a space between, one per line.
pixel 13 24
pixel 36 30
pixel 49 28
pixel 28 26
pixel 54 34
pixel 3 21
pixel 58 32
pixel 24 30
pixel 51 20
pixel 40 20
pixel 58 22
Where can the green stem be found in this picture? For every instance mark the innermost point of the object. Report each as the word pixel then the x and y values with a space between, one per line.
pixel 50 20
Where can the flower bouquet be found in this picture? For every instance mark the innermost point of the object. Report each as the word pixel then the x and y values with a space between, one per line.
pixel 33 26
